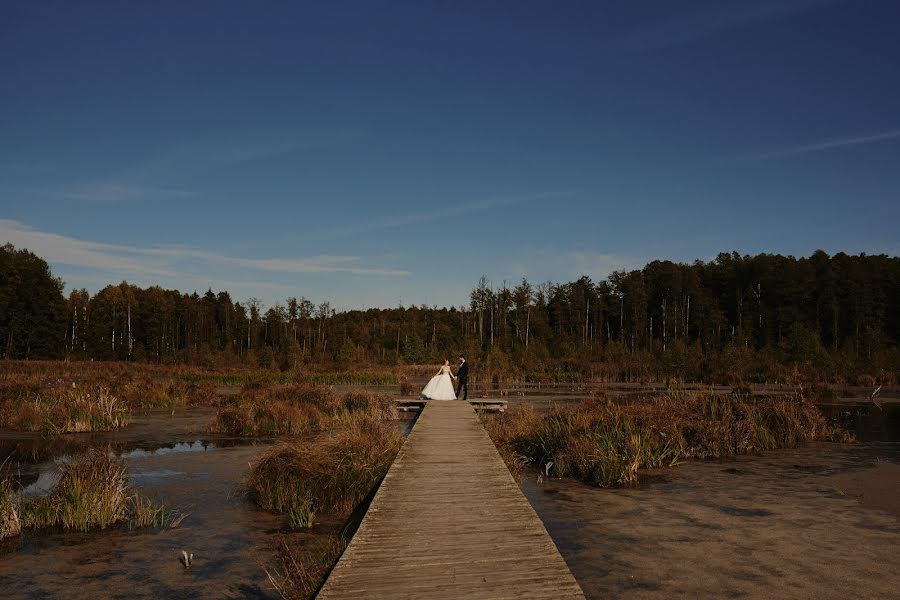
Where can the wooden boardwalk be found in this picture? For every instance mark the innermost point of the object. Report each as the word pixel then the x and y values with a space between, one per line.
pixel 449 521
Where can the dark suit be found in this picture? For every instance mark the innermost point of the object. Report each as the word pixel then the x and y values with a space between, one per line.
pixel 463 385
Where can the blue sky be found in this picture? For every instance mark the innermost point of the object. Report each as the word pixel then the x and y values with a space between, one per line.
pixel 373 152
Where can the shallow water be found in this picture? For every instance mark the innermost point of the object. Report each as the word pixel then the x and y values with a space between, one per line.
pixel 227 536
pixel 821 521
pixel 867 422
pixel 167 460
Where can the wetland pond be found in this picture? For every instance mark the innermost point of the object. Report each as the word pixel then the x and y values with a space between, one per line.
pixel 817 521
pixel 821 521
pixel 169 458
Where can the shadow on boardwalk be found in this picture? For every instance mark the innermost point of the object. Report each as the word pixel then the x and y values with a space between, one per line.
pixel 449 521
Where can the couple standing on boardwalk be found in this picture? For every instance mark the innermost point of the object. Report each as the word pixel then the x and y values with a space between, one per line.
pixel 441 388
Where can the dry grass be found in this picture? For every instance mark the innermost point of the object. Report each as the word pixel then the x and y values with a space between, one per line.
pixel 301 570
pixel 605 444
pixel 351 378
pixel 10 525
pixel 407 388
pixel 296 409
pixel 55 397
pixel 93 491
pixel 331 474
pixel 66 410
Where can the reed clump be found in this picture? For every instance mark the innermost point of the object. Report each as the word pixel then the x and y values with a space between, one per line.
pixel 297 409
pixel 70 409
pixel 331 474
pixel 58 397
pixel 377 406
pixel 300 570
pixel 604 443
pixel 93 492
pixel 351 378
pixel 139 391
pixel 10 525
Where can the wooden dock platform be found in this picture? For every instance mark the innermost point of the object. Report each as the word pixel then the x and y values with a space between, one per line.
pixel 482 404
pixel 449 521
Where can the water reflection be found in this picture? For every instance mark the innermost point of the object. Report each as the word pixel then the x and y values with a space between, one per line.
pixel 866 421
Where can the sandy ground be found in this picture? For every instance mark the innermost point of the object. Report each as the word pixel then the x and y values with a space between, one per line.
pixel 819 522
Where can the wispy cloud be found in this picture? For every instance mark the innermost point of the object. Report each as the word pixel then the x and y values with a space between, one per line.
pixel 724 17
pixel 821 146
pixel 115 192
pixel 439 212
pixel 165 261
pixel 151 179
pixel 201 157
pixel 64 250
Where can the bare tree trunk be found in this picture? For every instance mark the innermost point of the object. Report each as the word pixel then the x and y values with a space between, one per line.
pixel 664 324
pixel 130 338
pixel 74 323
pixel 527 325
pixel 492 323
pixel 687 321
pixel 587 308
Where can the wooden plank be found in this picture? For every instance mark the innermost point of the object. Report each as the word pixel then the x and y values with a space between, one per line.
pixel 449 521
pixel 416 405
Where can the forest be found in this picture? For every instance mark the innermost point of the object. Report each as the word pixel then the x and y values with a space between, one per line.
pixel 736 319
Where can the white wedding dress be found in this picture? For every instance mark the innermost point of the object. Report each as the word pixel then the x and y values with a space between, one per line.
pixel 440 387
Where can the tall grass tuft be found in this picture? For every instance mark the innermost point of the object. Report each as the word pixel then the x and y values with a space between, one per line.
pixel 66 410
pixel 605 444
pixel 297 409
pixel 10 525
pixel 331 474
pixel 352 378
pixel 57 397
pixel 93 491
pixel 300 571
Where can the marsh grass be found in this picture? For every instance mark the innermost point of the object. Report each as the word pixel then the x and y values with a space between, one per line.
pixel 93 492
pixel 10 525
pixel 59 398
pixel 331 474
pixel 604 443
pixel 301 515
pixel 351 378
pixel 407 388
pixel 300 570
pixel 67 410
pixel 148 393
pixel 297 409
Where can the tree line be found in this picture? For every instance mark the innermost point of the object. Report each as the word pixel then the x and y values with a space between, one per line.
pixel 736 318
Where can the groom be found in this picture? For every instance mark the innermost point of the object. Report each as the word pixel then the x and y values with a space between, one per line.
pixel 462 375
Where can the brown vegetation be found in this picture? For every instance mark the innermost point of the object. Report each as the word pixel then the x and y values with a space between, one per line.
pixel 301 571
pixel 605 443
pixel 295 409
pixel 93 491
pixel 65 410
pixel 55 397
pixel 331 474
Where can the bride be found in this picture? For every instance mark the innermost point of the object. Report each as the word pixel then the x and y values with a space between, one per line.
pixel 440 387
